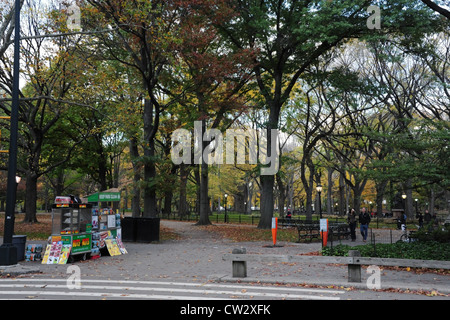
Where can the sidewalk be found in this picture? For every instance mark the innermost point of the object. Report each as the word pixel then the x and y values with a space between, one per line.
pixel 198 257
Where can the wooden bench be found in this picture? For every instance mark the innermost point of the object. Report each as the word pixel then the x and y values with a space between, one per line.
pixel 286 222
pixel 239 260
pixel 339 231
pixel 308 232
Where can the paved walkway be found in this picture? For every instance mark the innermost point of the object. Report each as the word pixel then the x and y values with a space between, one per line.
pixel 197 256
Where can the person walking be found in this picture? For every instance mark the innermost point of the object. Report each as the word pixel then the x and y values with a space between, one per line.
pixel 351 219
pixel 419 216
pixel 364 220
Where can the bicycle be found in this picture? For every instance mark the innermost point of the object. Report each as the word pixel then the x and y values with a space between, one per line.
pixel 406 237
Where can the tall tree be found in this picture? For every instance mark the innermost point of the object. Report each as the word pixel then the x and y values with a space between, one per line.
pixel 291 35
pixel 145 30
pixel 49 72
pixel 210 78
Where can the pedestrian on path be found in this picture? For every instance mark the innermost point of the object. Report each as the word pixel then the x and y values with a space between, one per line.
pixel 352 224
pixel 364 220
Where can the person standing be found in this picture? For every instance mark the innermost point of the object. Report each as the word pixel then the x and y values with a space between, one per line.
pixel 364 220
pixel 351 219
pixel 419 216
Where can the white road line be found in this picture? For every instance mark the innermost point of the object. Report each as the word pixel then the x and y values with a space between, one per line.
pixel 243 293
pixel 169 283
pixel 105 295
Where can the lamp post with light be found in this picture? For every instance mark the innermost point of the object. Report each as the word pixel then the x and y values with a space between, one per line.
pixel 226 196
pixel 319 191
pixel 404 203
pixel 8 252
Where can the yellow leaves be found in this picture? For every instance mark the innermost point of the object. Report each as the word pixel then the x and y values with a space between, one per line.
pixel 432 293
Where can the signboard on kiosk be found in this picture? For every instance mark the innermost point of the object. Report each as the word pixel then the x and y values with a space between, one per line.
pixel 104 196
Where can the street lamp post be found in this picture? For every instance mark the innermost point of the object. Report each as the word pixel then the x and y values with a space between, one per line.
pixel 319 191
pixel 404 203
pixel 226 196
pixel 8 253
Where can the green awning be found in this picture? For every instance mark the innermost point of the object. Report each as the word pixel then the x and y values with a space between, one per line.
pixel 104 196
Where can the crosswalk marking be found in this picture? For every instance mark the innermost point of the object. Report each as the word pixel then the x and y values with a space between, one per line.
pixel 105 295
pixel 158 290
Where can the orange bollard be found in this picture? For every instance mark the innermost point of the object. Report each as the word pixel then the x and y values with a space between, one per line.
pixel 274 230
pixel 324 231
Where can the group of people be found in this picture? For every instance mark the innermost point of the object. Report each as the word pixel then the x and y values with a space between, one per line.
pixel 363 219
pixel 426 219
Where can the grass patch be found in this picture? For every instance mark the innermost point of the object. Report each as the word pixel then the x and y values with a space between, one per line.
pixel 430 250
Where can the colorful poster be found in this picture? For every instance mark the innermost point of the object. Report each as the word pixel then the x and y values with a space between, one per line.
pixel 55 252
pixel 121 246
pixel 112 246
pixel 94 222
pixel 46 254
pixel 65 252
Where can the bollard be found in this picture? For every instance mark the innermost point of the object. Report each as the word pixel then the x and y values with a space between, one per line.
pixel 354 270
pixel 239 267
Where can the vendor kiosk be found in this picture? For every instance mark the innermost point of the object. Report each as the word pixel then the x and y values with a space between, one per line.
pixel 79 229
pixel 72 224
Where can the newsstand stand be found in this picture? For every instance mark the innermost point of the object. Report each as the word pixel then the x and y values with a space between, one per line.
pixel 79 231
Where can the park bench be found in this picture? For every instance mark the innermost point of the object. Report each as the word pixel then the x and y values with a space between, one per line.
pixel 339 231
pixel 308 231
pixel 285 222
pixel 239 259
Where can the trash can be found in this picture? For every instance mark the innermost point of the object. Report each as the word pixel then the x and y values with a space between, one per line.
pixel 147 229
pixel 19 241
pixel 128 225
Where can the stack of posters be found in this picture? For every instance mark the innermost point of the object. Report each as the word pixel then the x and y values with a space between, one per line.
pixel 56 253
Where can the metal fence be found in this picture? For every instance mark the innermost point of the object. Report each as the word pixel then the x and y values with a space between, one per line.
pixel 217 218
pixel 374 237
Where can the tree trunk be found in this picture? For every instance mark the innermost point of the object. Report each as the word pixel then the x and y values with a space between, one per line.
pixel 150 203
pixel 204 199
pixel 30 198
pixel 342 194
pixel 183 209
pixel 330 191
pixel 268 181
pixel 409 199
pixel 266 203
pixel 358 188
pixel 136 199
pixel 281 196
pixel 168 195
pixel 380 188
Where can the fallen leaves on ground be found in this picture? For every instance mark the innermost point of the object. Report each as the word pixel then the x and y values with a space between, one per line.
pixel 40 230
pixel 244 233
